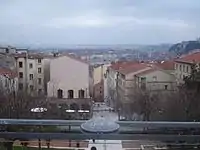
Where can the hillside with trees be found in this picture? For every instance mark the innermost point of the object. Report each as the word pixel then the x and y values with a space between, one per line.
pixel 184 47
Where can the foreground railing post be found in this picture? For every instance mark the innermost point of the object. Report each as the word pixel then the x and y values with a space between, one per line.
pixel 39 144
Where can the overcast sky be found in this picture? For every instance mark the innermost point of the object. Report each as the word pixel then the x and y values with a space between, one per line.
pixel 62 22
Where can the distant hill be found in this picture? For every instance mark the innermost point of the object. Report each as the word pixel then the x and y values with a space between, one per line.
pixel 184 47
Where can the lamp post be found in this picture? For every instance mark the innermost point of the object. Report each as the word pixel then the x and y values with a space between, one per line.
pixel 38 111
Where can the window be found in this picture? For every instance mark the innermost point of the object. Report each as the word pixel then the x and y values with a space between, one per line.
pixel 187 69
pixel 70 94
pixel 6 82
pixel 39 70
pixel 20 86
pixel 39 61
pixel 81 93
pixel 30 65
pixel 21 75
pixel 20 64
pixel 60 93
pixel 180 68
pixel 31 76
pixel 7 50
pixel 154 78
pixel 143 83
pixel 166 86
pixel 39 81
pixel 31 87
pixel 176 66
pixel 183 68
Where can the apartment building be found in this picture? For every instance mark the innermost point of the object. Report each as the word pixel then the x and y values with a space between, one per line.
pixel 138 78
pixel 69 77
pixel 184 63
pixel 30 73
pixel 145 77
pixel 111 78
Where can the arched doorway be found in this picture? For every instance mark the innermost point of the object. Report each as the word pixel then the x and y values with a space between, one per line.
pixel 59 93
pixel 70 94
pixel 81 93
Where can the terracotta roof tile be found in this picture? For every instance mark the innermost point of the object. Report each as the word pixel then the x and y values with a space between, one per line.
pixel 166 65
pixel 122 64
pixel 133 68
pixel 8 72
pixel 190 58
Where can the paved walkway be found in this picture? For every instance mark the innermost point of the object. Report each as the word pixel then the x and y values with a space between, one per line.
pixel 106 145
pixel 101 110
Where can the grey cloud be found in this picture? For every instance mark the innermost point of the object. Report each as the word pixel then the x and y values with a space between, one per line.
pixel 98 21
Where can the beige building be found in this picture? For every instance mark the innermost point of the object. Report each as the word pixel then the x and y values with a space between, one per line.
pixel 30 73
pixel 183 65
pixel 145 77
pixel 97 80
pixel 69 78
pixel 111 78
pixel 124 78
pixel 139 78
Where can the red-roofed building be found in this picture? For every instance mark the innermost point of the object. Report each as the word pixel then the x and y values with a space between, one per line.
pixel 166 65
pixel 111 79
pixel 141 77
pixel 184 63
pixel 122 64
pixel 8 81
pixel 128 77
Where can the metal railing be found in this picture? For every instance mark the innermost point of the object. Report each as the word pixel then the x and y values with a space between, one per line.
pixel 129 130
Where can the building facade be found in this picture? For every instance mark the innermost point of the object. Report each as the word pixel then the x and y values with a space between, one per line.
pixel 69 78
pixel 111 80
pixel 30 73
pixel 183 65
pixel 97 82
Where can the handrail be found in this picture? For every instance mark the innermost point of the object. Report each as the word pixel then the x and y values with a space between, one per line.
pixel 83 136
pixel 137 124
